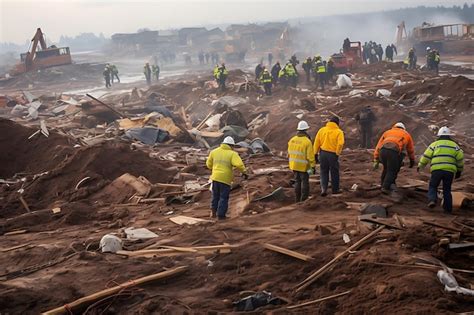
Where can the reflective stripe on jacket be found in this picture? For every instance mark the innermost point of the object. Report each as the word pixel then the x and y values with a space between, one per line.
pixel 266 77
pixel 445 155
pixel 300 153
pixel 329 138
pixel 320 68
pixel 222 162
pixel 396 138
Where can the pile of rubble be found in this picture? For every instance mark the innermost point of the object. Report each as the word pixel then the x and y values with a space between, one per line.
pixel 115 189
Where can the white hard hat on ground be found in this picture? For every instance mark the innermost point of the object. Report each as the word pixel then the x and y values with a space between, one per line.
pixel 400 125
pixel 302 125
pixel 110 243
pixel 229 140
pixel 445 131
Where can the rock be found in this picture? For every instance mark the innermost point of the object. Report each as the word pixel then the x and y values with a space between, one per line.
pixel 379 210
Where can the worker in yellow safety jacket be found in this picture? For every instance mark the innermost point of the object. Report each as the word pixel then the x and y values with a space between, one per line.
pixel 221 75
pixel 221 162
pixel 447 163
pixel 288 75
pixel 266 80
pixel 327 149
pixel 301 160
pixel 320 73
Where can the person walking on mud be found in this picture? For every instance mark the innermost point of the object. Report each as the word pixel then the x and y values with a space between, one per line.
pixel 366 119
pixel 147 73
pixel 221 162
pixel 301 160
pixel 221 74
pixel 114 73
pixel 390 152
pixel 447 163
pixel 327 149
pixel 106 75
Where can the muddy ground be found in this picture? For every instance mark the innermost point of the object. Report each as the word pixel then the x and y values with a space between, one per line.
pixel 395 272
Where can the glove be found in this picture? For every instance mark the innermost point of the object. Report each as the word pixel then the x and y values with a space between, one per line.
pixel 316 158
pixel 458 174
pixel 376 165
pixel 245 176
pixel 412 163
pixel 311 171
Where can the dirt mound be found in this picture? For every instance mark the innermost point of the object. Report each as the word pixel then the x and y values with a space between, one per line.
pixel 102 163
pixel 35 155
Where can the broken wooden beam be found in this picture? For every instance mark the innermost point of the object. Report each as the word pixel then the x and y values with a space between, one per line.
pixel 70 307
pixel 449 228
pixel 121 115
pixel 368 218
pixel 4 250
pixel 25 205
pixel 319 300
pixel 174 251
pixel 318 273
pixel 288 252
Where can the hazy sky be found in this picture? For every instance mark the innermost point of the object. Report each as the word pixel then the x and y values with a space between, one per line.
pixel 20 18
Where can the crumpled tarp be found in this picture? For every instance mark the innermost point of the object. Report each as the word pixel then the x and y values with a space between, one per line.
pixel 257 300
pixel 236 132
pixel 147 135
pixel 257 145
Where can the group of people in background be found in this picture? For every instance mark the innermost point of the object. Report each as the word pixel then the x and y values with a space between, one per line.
pixel 373 52
pixel 151 72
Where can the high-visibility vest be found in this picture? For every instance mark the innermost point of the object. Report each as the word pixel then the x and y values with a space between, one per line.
pixel 265 77
pixel 290 70
pixel 300 154
pixel 445 155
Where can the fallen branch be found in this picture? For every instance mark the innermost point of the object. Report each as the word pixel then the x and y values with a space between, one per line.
pixel 319 300
pixel 70 307
pixel 318 273
pixel 174 250
pixel 288 252
pixel 25 205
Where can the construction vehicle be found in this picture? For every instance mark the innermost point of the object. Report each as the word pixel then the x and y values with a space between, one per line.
pixel 345 60
pixel 45 57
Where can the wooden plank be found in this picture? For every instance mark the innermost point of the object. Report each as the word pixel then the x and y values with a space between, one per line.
pixel 204 120
pixel 318 273
pixel 449 228
pixel 319 300
pixel 181 219
pixel 288 252
pixel 121 115
pixel 174 251
pixel 16 232
pixel 4 250
pixel 72 306
pixel 163 185
pixel 375 221
pixel 25 205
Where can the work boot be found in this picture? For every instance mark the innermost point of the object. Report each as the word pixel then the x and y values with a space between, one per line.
pixel 221 218
pixel 337 192
pixel 431 204
pixel 324 193
pixel 213 213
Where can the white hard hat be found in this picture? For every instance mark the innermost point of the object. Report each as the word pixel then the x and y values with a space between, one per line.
pixel 400 125
pixel 428 48
pixel 229 140
pixel 302 125
pixel 445 131
pixel 110 244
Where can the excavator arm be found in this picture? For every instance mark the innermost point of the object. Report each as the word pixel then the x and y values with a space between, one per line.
pixel 38 38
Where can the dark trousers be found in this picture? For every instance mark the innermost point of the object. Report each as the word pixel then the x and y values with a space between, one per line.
pixel 321 80
pixel 308 76
pixel 107 82
pixel 392 162
pixel 365 135
pixel 447 179
pixel 329 164
pixel 301 186
pixel 268 88
pixel 221 83
pixel 220 198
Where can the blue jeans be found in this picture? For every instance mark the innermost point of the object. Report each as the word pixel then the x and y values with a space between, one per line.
pixel 220 198
pixel 436 178
pixel 329 164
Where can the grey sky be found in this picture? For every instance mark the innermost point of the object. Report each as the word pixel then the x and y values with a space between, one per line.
pixel 20 18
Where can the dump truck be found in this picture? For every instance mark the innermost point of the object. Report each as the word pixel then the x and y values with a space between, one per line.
pixel 41 56
pixel 345 60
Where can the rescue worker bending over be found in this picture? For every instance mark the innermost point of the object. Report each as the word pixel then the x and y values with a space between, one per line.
pixel 222 162
pixel 447 162
pixel 366 119
pixel 301 160
pixel 390 151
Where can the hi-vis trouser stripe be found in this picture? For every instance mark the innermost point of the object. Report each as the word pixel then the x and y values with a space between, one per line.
pixel 299 160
